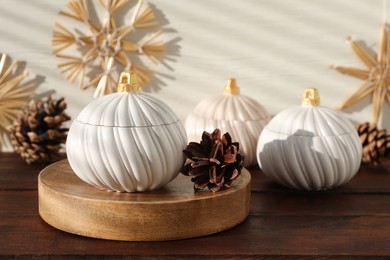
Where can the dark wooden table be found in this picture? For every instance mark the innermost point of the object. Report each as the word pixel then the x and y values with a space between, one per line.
pixel 353 220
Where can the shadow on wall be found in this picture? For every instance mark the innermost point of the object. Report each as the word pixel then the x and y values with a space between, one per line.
pixel 384 118
pixel 171 52
pixel 295 163
pixel 34 81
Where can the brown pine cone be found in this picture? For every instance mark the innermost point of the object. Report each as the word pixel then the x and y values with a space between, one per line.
pixel 376 143
pixel 216 161
pixel 38 134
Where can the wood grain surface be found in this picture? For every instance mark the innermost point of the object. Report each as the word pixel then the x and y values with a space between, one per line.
pixel 352 221
pixel 172 212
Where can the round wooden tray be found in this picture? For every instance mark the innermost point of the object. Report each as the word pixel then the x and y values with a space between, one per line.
pixel 173 212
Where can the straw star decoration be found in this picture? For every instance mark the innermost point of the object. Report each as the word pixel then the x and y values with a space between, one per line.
pixel 14 95
pixel 376 76
pixel 104 46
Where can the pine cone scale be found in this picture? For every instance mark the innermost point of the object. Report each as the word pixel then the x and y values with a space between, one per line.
pixel 200 185
pixel 194 172
pixel 196 150
pixel 186 169
pixel 219 178
pixel 215 161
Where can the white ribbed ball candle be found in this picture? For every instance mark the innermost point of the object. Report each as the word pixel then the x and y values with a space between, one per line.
pixel 309 147
pixel 241 116
pixel 126 141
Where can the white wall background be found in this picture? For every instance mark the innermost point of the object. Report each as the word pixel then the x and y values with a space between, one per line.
pixel 275 48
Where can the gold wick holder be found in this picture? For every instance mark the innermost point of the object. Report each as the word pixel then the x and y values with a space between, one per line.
pixel 128 82
pixel 311 96
pixel 231 87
